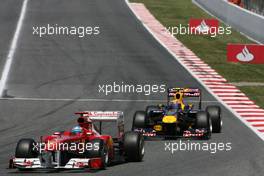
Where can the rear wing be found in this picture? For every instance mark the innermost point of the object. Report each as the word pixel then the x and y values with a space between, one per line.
pixel 106 116
pixel 102 115
pixel 187 92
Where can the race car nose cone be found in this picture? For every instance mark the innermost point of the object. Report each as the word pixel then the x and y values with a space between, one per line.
pixel 169 119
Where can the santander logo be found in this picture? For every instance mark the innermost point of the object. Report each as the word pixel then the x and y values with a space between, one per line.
pixel 203 27
pixel 245 55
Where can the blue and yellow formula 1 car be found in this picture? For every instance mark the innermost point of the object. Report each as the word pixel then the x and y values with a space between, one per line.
pixel 178 119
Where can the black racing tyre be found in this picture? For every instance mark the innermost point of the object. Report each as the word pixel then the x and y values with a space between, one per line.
pixel 151 108
pixel 133 146
pixel 26 148
pixel 203 121
pixel 99 150
pixel 139 120
pixel 215 115
pixel 149 117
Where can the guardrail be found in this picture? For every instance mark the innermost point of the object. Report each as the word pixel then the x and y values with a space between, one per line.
pixel 256 6
pixel 247 22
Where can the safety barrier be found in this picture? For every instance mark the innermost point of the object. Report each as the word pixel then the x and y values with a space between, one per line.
pixel 256 6
pixel 242 20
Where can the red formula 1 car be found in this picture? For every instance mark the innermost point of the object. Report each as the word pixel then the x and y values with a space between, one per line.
pixel 83 147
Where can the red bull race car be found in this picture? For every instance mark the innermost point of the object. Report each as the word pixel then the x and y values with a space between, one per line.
pixel 177 118
pixel 85 146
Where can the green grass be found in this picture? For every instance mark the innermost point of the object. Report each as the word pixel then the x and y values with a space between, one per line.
pixel 255 93
pixel 212 50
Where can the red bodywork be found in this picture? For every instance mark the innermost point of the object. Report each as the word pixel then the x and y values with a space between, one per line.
pixel 88 133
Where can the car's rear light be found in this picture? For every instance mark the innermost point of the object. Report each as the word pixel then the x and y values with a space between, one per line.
pixel 96 163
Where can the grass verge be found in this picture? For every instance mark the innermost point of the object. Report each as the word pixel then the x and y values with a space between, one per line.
pixel 255 93
pixel 212 50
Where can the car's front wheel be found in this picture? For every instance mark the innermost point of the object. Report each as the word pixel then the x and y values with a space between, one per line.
pixel 204 122
pixel 139 120
pixel 26 148
pixel 215 115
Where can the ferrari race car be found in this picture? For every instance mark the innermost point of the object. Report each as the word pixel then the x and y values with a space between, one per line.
pixel 82 147
pixel 178 119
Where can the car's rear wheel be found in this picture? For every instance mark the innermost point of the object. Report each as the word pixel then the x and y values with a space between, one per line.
pixel 215 115
pixel 133 146
pixel 139 120
pixel 204 122
pixel 26 148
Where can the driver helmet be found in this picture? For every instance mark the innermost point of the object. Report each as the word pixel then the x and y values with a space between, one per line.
pixel 76 130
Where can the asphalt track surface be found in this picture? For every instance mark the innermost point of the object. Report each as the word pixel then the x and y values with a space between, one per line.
pixel 66 67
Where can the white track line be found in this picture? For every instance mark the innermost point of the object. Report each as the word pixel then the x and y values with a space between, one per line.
pixel 253 118
pixel 221 86
pixel 234 98
pixel 240 106
pixel 256 124
pixel 198 67
pixel 231 94
pixel 232 102
pixel 260 128
pixel 202 70
pixel 208 76
pixel 91 100
pixel 12 48
pixel 213 79
pixel 252 114
pixel 190 60
pixel 205 73
pixel 225 90
pixel 249 110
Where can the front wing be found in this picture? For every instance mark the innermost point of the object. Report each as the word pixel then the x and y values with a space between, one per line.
pixel 73 163
pixel 191 133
